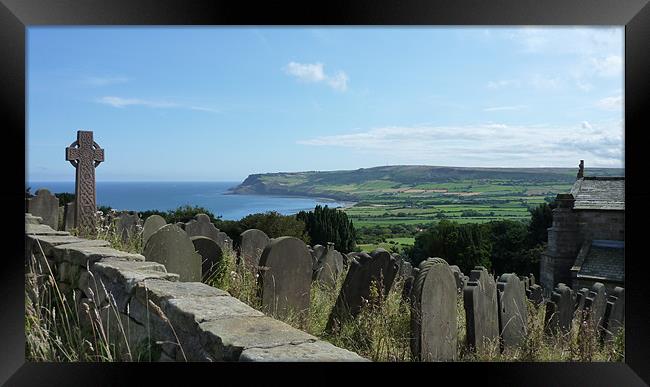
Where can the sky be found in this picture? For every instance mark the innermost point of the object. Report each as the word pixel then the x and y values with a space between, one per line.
pixel 220 103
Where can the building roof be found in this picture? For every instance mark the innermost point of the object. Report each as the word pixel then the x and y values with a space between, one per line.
pixel 599 193
pixel 602 260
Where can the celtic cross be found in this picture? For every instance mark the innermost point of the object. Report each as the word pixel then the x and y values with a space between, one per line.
pixel 84 154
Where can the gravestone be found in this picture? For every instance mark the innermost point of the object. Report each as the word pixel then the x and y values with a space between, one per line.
pixel 513 311
pixel 171 247
pixel 126 225
pixel 378 268
pixel 201 226
pixel 329 267
pixel 459 278
pixel 481 309
pixel 285 278
pixel 559 309
pixel 253 243
pixel 531 276
pixel 85 155
pixel 535 294
pixel 434 322
pixel 45 205
pixel 224 241
pixel 407 289
pixel 615 312
pixel 405 269
pixel 152 224
pixel 579 301
pixel 525 281
pixel 595 304
pixel 211 255
pixel 316 253
pixel 68 216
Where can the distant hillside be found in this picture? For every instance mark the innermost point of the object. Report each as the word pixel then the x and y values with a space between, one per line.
pixel 359 184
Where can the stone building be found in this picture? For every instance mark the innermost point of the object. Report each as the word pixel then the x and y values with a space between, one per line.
pixel 586 240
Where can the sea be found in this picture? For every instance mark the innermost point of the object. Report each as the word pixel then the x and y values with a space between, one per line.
pixel 214 196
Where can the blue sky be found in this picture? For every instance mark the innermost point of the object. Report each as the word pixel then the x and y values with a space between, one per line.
pixel 219 103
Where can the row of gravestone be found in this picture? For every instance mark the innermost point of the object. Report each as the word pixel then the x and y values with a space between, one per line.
pixel 595 306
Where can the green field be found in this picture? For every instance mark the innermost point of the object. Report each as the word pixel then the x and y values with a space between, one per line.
pixel 421 195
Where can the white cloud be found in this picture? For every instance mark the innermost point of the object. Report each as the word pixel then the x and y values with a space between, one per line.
pixel 119 102
pixel 611 103
pixel 500 84
pixel 103 81
pixel 543 82
pixel 485 144
pixel 314 72
pixel 504 108
pixel 609 66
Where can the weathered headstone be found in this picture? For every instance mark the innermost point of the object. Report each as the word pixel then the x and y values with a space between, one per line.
pixel 481 309
pixel 152 224
pixel 535 294
pixel 85 155
pixel 407 289
pixel 68 216
pixel 615 312
pixel 405 269
pixel 329 267
pixel 173 248
pixel 559 309
pixel 253 243
pixel 580 297
pixel 458 277
pixel 595 303
pixel 285 278
pixel 201 226
pixel 378 268
pixel 211 255
pixel 434 323
pixel 513 311
pixel 531 276
pixel 316 253
pixel 45 205
pixel 126 225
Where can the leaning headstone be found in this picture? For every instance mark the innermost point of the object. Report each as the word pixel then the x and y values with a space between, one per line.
pixel 224 241
pixel 481 309
pixel 85 155
pixel 45 205
pixel 615 312
pixel 559 309
pixel 253 243
pixel 211 255
pixel 365 270
pixel 407 289
pixel 126 225
pixel 173 248
pixel 285 278
pixel 513 311
pixel 595 303
pixel 434 328
pixel 68 216
pixel 531 276
pixel 152 224
pixel 329 267
pixel 405 269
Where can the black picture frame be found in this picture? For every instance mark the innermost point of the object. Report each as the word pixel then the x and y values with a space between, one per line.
pixel 17 15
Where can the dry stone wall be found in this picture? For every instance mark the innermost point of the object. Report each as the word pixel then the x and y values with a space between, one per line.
pixel 145 306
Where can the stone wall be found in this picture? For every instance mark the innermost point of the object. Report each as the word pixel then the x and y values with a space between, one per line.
pixel 149 312
pixel 609 225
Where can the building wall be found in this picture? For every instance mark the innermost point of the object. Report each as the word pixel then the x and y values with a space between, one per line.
pixel 601 225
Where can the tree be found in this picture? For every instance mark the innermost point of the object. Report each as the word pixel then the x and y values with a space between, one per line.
pixel 464 245
pixel 275 225
pixel 326 224
pixel 541 219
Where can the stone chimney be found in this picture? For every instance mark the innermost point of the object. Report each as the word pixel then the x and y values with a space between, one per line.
pixel 563 244
pixel 581 170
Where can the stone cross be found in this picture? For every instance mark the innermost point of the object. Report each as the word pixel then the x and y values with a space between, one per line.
pixel 85 155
